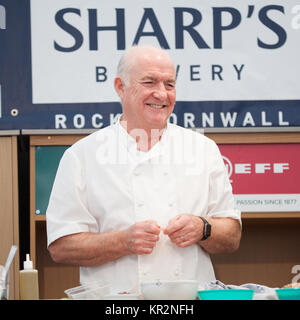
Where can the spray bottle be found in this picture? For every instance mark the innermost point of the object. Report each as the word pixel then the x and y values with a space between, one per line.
pixel 29 285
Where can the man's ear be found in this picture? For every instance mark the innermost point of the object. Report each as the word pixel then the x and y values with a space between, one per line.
pixel 119 86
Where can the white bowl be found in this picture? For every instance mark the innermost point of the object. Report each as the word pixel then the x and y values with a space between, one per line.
pixel 169 290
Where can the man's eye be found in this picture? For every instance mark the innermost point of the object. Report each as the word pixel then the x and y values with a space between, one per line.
pixel 170 85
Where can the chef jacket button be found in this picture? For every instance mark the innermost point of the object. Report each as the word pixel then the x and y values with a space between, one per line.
pixel 137 173
pixel 165 173
pixel 171 204
pixel 140 204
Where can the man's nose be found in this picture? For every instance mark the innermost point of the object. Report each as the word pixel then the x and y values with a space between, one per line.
pixel 160 91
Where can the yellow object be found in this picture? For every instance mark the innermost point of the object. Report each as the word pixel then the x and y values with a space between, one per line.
pixel 29 284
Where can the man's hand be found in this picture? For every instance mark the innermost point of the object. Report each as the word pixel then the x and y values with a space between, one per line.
pixel 142 237
pixel 187 229
pixel 184 230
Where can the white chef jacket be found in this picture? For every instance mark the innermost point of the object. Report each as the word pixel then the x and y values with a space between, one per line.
pixel 104 184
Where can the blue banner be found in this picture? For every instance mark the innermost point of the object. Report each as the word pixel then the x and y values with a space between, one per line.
pixel 58 61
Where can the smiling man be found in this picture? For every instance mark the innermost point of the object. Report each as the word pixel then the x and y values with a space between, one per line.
pixel 142 199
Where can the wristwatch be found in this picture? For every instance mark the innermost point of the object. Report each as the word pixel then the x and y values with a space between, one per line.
pixel 206 229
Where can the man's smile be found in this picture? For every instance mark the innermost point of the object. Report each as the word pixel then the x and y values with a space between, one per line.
pixel 155 106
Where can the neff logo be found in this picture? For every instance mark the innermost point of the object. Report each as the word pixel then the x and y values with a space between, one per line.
pixel 258 168
pixel 182 29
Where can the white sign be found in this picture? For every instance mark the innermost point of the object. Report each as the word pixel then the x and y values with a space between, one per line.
pixel 267 202
pixel 223 50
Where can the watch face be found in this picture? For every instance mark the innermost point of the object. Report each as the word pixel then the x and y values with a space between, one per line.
pixel 206 229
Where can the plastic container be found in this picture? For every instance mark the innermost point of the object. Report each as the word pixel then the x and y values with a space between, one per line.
pixel 90 291
pixel 226 294
pixel 29 283
pixel 4 274
pixel 288 294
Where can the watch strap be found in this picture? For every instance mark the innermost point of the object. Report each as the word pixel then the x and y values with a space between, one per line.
pixel 206 229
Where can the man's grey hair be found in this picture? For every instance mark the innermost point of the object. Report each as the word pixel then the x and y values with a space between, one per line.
pixel 127 61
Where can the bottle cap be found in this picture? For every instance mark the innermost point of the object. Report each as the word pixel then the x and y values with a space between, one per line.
pixel 28 263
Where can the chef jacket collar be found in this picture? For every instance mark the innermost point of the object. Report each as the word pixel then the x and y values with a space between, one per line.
pixel 127 141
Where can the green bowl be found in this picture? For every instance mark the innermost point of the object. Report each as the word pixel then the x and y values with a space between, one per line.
pixel 226 294
pixel 288 294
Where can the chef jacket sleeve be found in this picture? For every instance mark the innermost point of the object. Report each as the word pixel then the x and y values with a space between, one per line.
pixel 67 211
pixel 221 202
